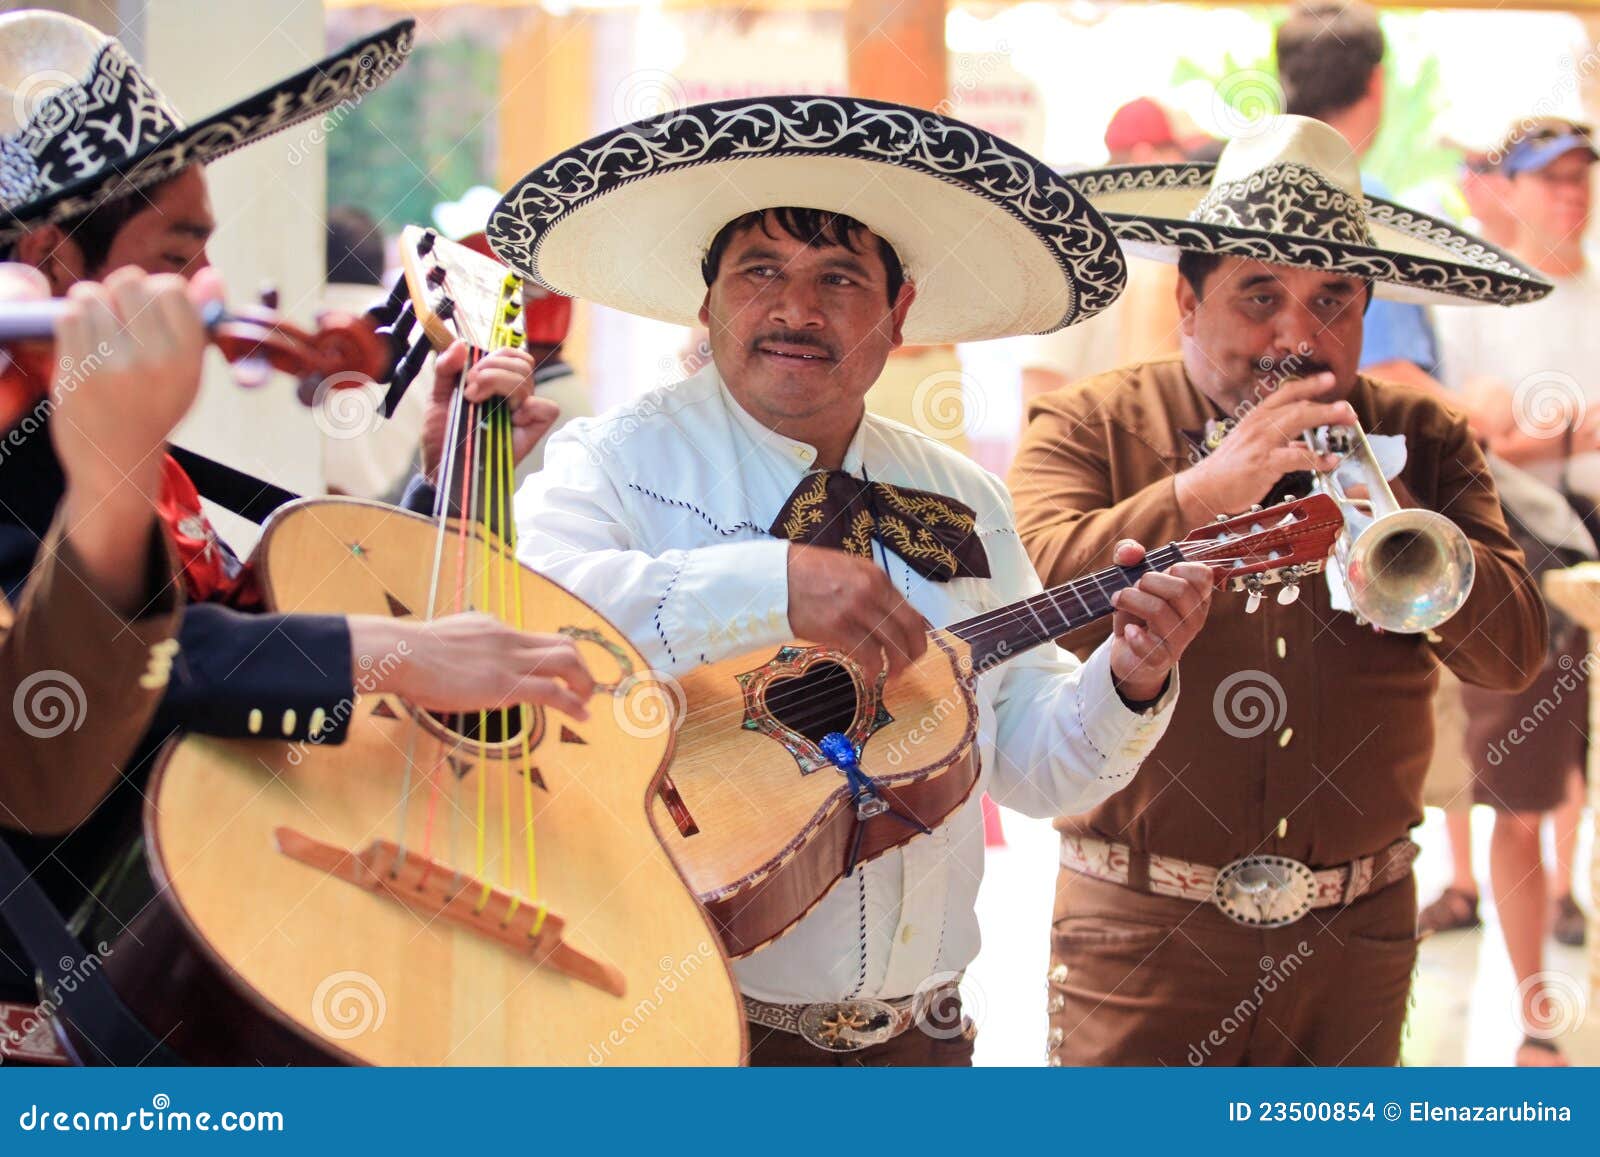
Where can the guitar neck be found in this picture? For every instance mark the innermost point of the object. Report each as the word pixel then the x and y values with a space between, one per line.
pixel 998 635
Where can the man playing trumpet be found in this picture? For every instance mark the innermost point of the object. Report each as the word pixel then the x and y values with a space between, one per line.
pixel 1248 899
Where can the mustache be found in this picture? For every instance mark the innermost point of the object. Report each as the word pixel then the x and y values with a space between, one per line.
pixel 1291 366
pixel 794 338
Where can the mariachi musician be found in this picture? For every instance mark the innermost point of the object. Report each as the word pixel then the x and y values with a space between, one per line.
pixel 737 508
pixel 1249 899
pixel 83 201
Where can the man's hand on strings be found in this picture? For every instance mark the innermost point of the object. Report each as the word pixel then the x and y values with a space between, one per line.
pixel 468 662
pixel 505 374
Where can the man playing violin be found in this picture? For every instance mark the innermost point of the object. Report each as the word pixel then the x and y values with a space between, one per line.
pixel 1249 899
pixel 709 518
pixel 230 670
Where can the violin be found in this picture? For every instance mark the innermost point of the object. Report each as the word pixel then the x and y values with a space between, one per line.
pixel 344 350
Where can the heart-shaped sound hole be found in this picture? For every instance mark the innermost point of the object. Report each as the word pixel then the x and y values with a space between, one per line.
pixel 820 699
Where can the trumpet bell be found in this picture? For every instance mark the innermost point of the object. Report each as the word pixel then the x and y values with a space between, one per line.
pixel 1407 571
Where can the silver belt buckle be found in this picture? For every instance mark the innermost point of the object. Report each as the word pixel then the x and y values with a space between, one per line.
pixel 1265 891
pixel 849 1025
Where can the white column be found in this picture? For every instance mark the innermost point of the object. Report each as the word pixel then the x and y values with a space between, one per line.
pixel 269 203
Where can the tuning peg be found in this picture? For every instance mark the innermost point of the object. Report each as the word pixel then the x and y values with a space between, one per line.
pixel 1253 600
pixel 384 312
pixel 425 242
pixel 1256 509
pixel 1288 593
pixel 436 276
pixel 1222 518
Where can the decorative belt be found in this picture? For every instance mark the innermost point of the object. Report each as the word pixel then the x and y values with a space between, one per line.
pixel 1263 891
pixel 26 1034
pixel 847 1026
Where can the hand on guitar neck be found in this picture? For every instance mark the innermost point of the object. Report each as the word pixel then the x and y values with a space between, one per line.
pixel 505 373
pixel 845 602
pixel 1155 620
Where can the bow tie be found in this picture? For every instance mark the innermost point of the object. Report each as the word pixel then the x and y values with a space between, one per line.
pixel 935 535
pixel 1202 443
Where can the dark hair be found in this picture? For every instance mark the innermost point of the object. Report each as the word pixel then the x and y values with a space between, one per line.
pixel 1326 56
pixel 355 247
pixel 1195 267
pixel 815 227
pixel 94 230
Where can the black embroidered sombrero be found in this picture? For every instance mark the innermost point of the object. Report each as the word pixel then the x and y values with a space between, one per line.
pixel 80 124
pixel 1290 194
pixel 996 243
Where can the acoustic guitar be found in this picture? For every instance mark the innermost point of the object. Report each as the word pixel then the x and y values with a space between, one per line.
pixel 469 889
pixel 791 769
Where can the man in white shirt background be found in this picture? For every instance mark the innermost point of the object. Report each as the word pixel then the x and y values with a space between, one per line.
pixel 1531 377
pixel 658 512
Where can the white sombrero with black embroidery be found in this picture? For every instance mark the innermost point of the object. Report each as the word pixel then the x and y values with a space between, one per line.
pixel 1290 194
pixel 996 243
pixel 80 124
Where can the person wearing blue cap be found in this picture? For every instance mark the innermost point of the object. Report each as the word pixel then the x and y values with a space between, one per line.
pixel 1528 376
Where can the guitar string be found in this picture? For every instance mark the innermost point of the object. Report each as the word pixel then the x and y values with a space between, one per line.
pixel 414 729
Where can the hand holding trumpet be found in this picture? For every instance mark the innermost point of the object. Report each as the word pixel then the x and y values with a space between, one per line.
pixel 1267 444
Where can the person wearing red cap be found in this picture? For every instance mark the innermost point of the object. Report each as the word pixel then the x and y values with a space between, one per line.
pixel 1140 133
pixel 1143 322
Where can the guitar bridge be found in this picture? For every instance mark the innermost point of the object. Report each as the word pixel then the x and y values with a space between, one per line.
pixel 435 890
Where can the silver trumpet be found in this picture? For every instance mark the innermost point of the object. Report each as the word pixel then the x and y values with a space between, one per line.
pixel 1405 570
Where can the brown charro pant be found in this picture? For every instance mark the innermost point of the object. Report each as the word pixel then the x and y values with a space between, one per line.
pixel 1139 979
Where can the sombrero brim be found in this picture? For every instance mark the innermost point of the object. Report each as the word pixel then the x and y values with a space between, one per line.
pixel 340 79
pixel 996 242
pixel 1415 257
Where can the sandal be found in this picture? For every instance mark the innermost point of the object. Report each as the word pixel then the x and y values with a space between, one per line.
pixel 1455 910
pixel 1567 924
pixel 1549 1054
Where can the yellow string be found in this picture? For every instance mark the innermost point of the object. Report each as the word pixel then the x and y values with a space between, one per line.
pixel 500 420
pixel 483 714
pixel 527 754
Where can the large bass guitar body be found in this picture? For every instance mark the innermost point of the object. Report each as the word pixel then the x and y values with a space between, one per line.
pixel 369 902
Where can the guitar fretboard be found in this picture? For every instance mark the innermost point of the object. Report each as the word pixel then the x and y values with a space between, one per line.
pixel 1002 634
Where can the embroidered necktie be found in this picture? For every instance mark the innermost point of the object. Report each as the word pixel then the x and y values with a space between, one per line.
pixel 935 535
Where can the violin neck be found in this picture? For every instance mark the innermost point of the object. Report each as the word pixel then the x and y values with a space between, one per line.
pixel 1002 634
pixel 30 320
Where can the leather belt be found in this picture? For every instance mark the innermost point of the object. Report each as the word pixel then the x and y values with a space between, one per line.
pixel 1262 891
pixel 847 1026
pixel 26 1034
